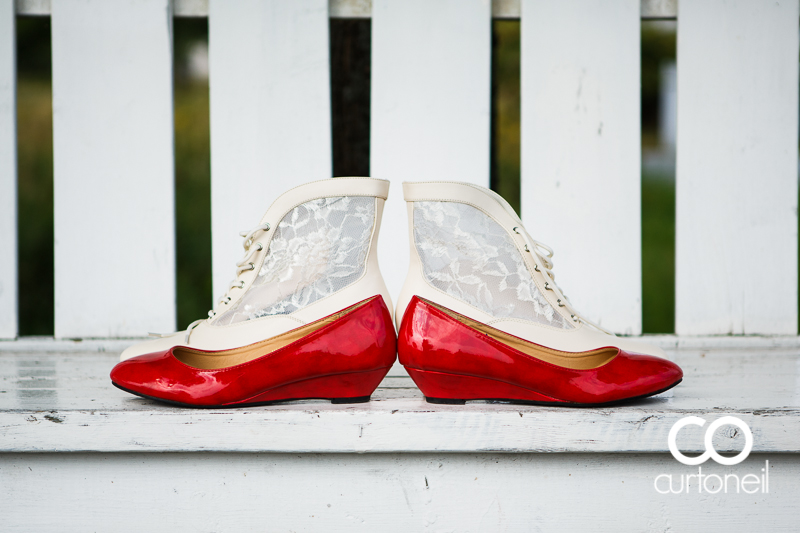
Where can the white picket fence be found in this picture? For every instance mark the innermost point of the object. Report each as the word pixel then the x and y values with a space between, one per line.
pixel 737 144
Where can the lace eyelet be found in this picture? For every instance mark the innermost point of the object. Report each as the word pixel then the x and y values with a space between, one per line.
pixel 559 303
pixel 527 249
pixel 259 246
pixel 252 266
pixel 547 286
pixel 241 285
pixel 516 230
pixel 574 318
pixel 536 268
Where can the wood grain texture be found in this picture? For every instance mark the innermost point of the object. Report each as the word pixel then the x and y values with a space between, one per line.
pixel 8 172
pixel 270 113
pixel 431 94
pixel 581 146
pixel 113 168
pixel 382 492
pixel 65 403
pixel 736 213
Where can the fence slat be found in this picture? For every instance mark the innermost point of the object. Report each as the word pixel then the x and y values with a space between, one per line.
pixel 113 167
pixel 8 173
pixel 270 113
pixel 736 213
pixel 431 63
pixel 581 150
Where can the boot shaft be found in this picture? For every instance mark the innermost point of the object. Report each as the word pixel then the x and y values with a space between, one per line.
pixel 319 248
pixel 315 242
pixel 466 246
pixel 312 254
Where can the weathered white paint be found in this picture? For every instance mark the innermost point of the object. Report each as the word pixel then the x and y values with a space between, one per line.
pixel 270 113
pixel 581 150
pixel 721 346
pixel 113 168
pixel 504 9
pixel 33 345
pixel 8 172
pixel 736 344
pixel 65 403
pixel 736 218
pixel 431 63
pixel 392 493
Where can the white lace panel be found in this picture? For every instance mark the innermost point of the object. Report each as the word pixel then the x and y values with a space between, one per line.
pixel 469 256
pixel 319 248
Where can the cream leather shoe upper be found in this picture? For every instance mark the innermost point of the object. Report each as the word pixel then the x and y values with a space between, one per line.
pixel 313 254
pixel 470 253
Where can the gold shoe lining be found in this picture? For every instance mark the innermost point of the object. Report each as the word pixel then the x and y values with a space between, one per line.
pixel 237 356
pixel 572 360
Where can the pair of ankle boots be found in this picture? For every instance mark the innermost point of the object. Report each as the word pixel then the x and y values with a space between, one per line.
pixel 479 317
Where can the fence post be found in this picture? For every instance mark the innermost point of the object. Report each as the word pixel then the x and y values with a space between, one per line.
pixel 736 212
pixel 113 167
pixel 8 172
pixel 581 150
pixel 270 113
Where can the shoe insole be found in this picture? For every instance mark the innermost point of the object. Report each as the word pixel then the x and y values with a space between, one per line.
pixel 573 360
pixel 237 356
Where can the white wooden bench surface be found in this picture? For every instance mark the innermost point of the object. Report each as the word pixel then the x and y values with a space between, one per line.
pixel 395 464
pixel 63 402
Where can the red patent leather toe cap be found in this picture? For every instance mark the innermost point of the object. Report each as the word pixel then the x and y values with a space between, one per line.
pixel 630 375
pixel 625 376
pixel 161 376
pixel 344 356
pixel 450 359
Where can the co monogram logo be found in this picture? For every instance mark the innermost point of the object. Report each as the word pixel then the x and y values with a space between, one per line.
pixel 710 451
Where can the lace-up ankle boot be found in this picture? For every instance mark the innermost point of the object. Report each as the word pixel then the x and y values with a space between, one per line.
pixel 307 315
pixel 480 315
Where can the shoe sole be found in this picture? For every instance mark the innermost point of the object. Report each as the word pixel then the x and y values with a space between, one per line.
pixel 358 399
pixel 336 388
pixel 499 391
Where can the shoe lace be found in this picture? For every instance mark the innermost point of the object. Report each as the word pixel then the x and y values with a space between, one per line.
pixel 544 257
pixel 543 263
pixel 244 265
